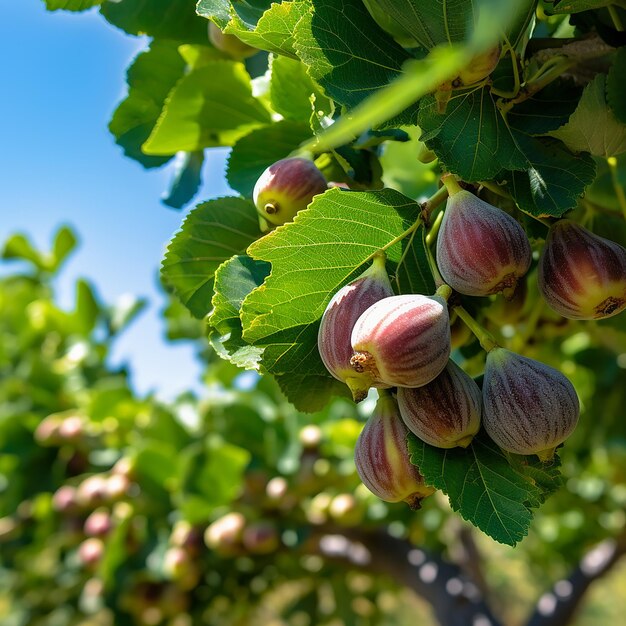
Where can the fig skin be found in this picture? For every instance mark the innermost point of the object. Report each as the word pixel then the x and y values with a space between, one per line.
pixel 382 458
pixel 446 412
pixel 339 318
pixel 286 187
pixel 528 407
pixel 481 250
pixel 403 341
pixel 582 276
pixel 480 66
pixel 229 44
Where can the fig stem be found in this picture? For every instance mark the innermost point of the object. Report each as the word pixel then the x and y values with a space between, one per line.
pixel 487 342
pixel 438 198
pixel 617 20
pixel 451 183
pixel 434 229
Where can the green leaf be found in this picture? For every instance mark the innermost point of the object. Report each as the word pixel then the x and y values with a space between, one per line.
pixel 471 138
pixel 326 246
pixel 163 19
pixel 71 5
pixel 210 235
pixel 194 115
pixel 221 11
pixel 545 110
pixel 252 154
pixel 216 10
pixel 615 87
pixel 310 394
pixel 593 127
pixel 234 280
pixel 211 475
pixel 484 487
pixel 186 180
pixel 150 78
pixel 576 6
pixel 64 244
pixel 18 246
pixel 291 89
pixel 87 309
pixel 274 31
pixel 346 52
pixel 554 178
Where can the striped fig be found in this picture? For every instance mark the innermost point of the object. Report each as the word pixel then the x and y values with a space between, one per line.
pixel 481 250
pixel 582 276
pixel 446 412
pixel 402 341
pixel 285 188
pixel 528 407
pixel 340 316
pixel 382 458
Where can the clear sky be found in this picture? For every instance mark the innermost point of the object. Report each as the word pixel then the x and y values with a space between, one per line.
pixel 62 76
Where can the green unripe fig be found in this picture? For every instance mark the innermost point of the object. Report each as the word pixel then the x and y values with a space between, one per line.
pixel 481 250
pixel 382 458
pixel 528 407
pixel 286 187
pixel 480 66
pixel 446 412
pixel 582 276
pixel 402 341
pixel 340 316
pixel 230 44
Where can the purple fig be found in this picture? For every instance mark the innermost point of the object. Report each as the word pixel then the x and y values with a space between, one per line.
pixel 528 407
pixel 340 316
pixel 582 276
pixel 286 187
pixel 481 250
pixel 446 412
pixel 382 458
pixel 402 341
pixel 90 552
pixel 98 524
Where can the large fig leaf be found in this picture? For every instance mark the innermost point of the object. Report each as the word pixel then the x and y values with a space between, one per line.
pixel 71 5
pixel 212 233
pixel 484 487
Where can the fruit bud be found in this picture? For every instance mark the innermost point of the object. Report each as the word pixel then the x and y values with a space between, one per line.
pixel 65 500
pixel 402 341
pixel 224 534
pixel 582 276
pixel 481 250
pixel 340 316
pixel 261 538
pixel 382 458
pixel 98 524
pixel 229 44
pixel 91 551
pixel 286 187
pixel 446 412
pixel 528 407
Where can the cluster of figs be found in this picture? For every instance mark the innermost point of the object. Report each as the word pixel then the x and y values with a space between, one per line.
pixel 401 344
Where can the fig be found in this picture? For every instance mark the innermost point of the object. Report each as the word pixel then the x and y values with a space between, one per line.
pixel 286 187
pixel 92 491
pixel 446 412
pixel 480 66
pixel 65 499
pixel 98 524
pixel 481 250
pixel 229 44
pixel 402 341
pixel 90 552
pixel 582 276
pixel 340 316
pixel 225 533
pixel 382 458
pixel 528 407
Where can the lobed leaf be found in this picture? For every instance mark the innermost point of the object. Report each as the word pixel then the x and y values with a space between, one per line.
pixel 210 235
pixel 495 495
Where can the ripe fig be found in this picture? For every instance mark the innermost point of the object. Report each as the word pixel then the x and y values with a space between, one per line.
pixel 230 44
pixel 382 458
pixel 446 412
pixel 402 341
pixel 287 187
pixel 582 276
pixel 481 250
pixel 90 552
pixel 98 524
pixel 528 407
pixel 340 316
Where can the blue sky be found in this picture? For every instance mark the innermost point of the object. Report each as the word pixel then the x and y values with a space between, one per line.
pixel 63 74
